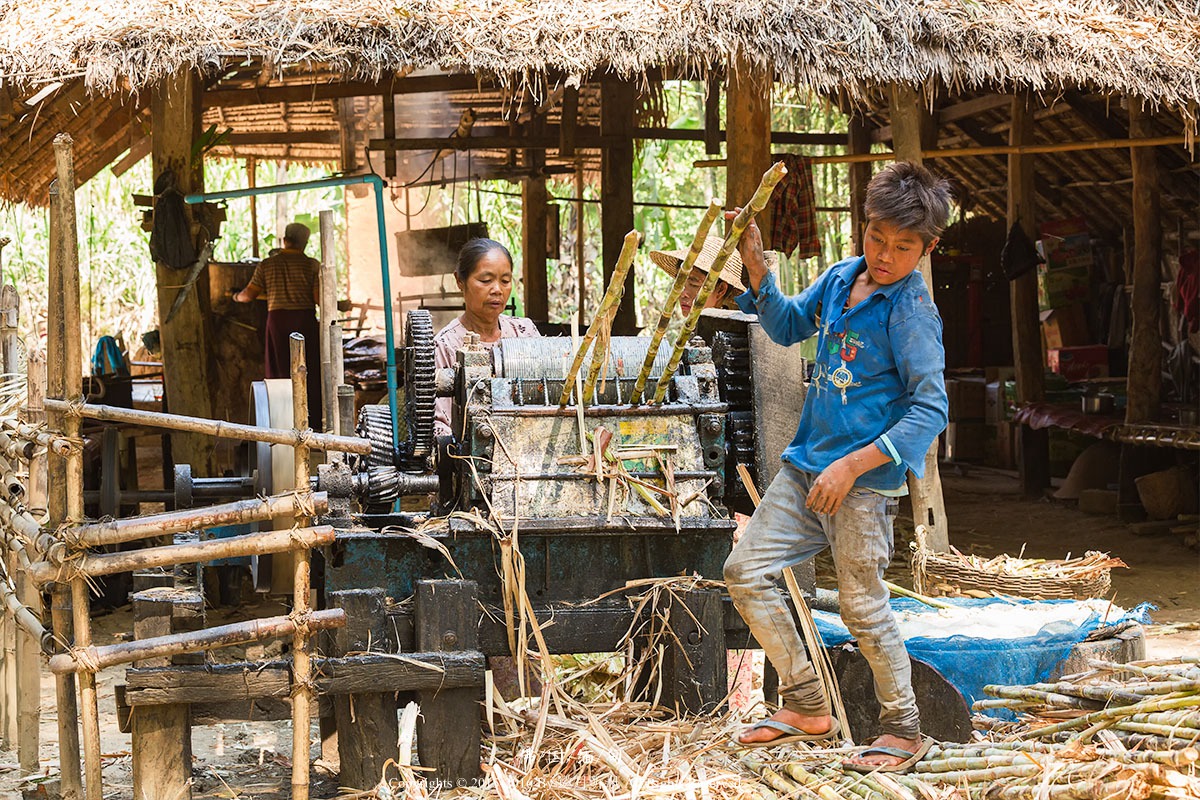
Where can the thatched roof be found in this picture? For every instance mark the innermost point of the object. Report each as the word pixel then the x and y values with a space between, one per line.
pixel 1146 48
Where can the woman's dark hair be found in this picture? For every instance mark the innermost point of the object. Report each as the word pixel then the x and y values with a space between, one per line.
pixel 473 251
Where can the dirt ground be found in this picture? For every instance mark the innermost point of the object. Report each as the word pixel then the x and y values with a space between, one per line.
pixel 987 516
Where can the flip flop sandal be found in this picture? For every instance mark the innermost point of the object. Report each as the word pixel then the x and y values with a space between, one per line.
pixel 789 734
pixel 910 758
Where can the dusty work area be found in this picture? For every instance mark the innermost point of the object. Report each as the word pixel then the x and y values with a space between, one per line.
pixel 252 759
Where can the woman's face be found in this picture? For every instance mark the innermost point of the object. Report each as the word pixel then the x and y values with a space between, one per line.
pixel 691 288
pixel 486 289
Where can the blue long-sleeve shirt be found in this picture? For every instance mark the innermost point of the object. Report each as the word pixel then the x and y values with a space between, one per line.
pixel 878 372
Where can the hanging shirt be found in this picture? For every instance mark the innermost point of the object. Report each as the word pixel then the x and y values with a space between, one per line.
pixel 878 372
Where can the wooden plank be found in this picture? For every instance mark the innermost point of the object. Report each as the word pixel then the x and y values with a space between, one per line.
pixel 953 113
pixel 335 676
pixel 1034 448
pixel 748 143
pixel 448 734
pixel 175 109
pixel 570 122
pixel 712 115
pixel 367 727
pixel 326 137
pixel 389 132
pixel 913 132
pixel 1145 345
pixel 695 670
pixel 616 209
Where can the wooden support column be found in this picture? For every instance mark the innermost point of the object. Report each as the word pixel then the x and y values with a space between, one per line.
pixel 60 599
pixel 860 176
pixel 449 734
pixel 329 313
pixel 748 136
pixel 368 730
pixel 1145 348
pixel 616 208
pixel 1033 453
pixel 175 109
pixel 712 116
pixel 912 132
pixel 533 231
pixel 161 734
pixel 1145 304
pixel 29 651
pixel 695 670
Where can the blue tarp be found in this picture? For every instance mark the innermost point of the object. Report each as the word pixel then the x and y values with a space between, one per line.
pixel 970 663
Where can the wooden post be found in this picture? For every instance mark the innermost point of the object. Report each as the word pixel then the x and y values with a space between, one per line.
pixel 616 209
pixel 161 734
pixel 368 731
pixel 712 115
pixel 1145 348
pixel 860 176
pixel 302 694
pixel 449 735
pixel 175 109
pixel 72 368
pixel 329 313
pixel 1034 446
pixel 533 233
pixel 29 651
pixel 252 182
pixel 695 676
pixel 911 133
pixel 748 135
pixel 9 629
pixel 60 601
pixel 580 252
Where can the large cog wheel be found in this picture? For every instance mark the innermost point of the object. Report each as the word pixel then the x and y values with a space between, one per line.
pixel 420 389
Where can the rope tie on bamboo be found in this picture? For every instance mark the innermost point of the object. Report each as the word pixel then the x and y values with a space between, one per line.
pixel 305 505
pixel 75 407
pixel 86 657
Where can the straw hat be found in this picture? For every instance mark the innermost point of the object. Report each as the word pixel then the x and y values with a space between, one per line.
pixel 733 272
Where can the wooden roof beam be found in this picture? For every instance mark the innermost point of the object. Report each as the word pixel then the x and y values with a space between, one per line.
pixel 963 110
pixel 302 93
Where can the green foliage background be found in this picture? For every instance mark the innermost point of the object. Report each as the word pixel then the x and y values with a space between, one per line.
pixel 117 276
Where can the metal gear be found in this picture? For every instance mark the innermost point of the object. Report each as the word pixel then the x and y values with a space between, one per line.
pixel 375 425
pixel 420 389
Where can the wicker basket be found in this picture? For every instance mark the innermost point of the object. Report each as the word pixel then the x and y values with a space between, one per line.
pixel 931 570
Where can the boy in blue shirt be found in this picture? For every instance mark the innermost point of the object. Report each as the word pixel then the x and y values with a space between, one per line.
pixel 875 404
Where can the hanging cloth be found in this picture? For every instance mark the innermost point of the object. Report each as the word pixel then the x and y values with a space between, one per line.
pixel 794 210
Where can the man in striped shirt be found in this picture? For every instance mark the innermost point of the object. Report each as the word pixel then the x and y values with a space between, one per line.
pixel 289 280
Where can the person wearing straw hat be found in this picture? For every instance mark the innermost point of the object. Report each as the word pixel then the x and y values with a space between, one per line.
pixel 875 403
pixel 729 282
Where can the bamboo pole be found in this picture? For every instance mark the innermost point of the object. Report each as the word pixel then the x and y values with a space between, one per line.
pixel 239 512
pixel 758 202
pixel 213 427
pixel 337 365
pixel 95 658
pixel 59 445
pixel 70 778
pixel 251 544
pixel 668 310
pixel 17 451
pixel 73 378
pixel 24 617
pixel 23 525
pixel 328 284
pixel 29 708
pixel 992 150
pixel 301 602
pixel 611 301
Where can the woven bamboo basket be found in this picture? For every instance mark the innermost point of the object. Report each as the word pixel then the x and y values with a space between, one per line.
pixel 933 570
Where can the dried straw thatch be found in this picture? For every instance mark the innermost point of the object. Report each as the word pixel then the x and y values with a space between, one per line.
pixel 1146 48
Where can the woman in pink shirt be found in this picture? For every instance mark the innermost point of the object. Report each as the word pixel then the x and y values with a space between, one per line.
pixel 485 276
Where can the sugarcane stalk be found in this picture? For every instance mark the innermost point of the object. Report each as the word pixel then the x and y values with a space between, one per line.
pixel 920 598
pixel 758 202
pixel 668 309
pixel 851 783
pixel 957 764
pixel 1113 714
pixel 612 298
pixel 810 781
pixel 1166 731
pixel 604 318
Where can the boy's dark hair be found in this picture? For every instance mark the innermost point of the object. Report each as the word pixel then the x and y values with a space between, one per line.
pixel 910 197
pixel 473 251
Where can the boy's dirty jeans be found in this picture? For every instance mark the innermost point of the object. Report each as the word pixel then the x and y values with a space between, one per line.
pixel 783 533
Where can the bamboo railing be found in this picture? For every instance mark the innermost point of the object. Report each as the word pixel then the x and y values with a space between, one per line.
pixel 41 473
